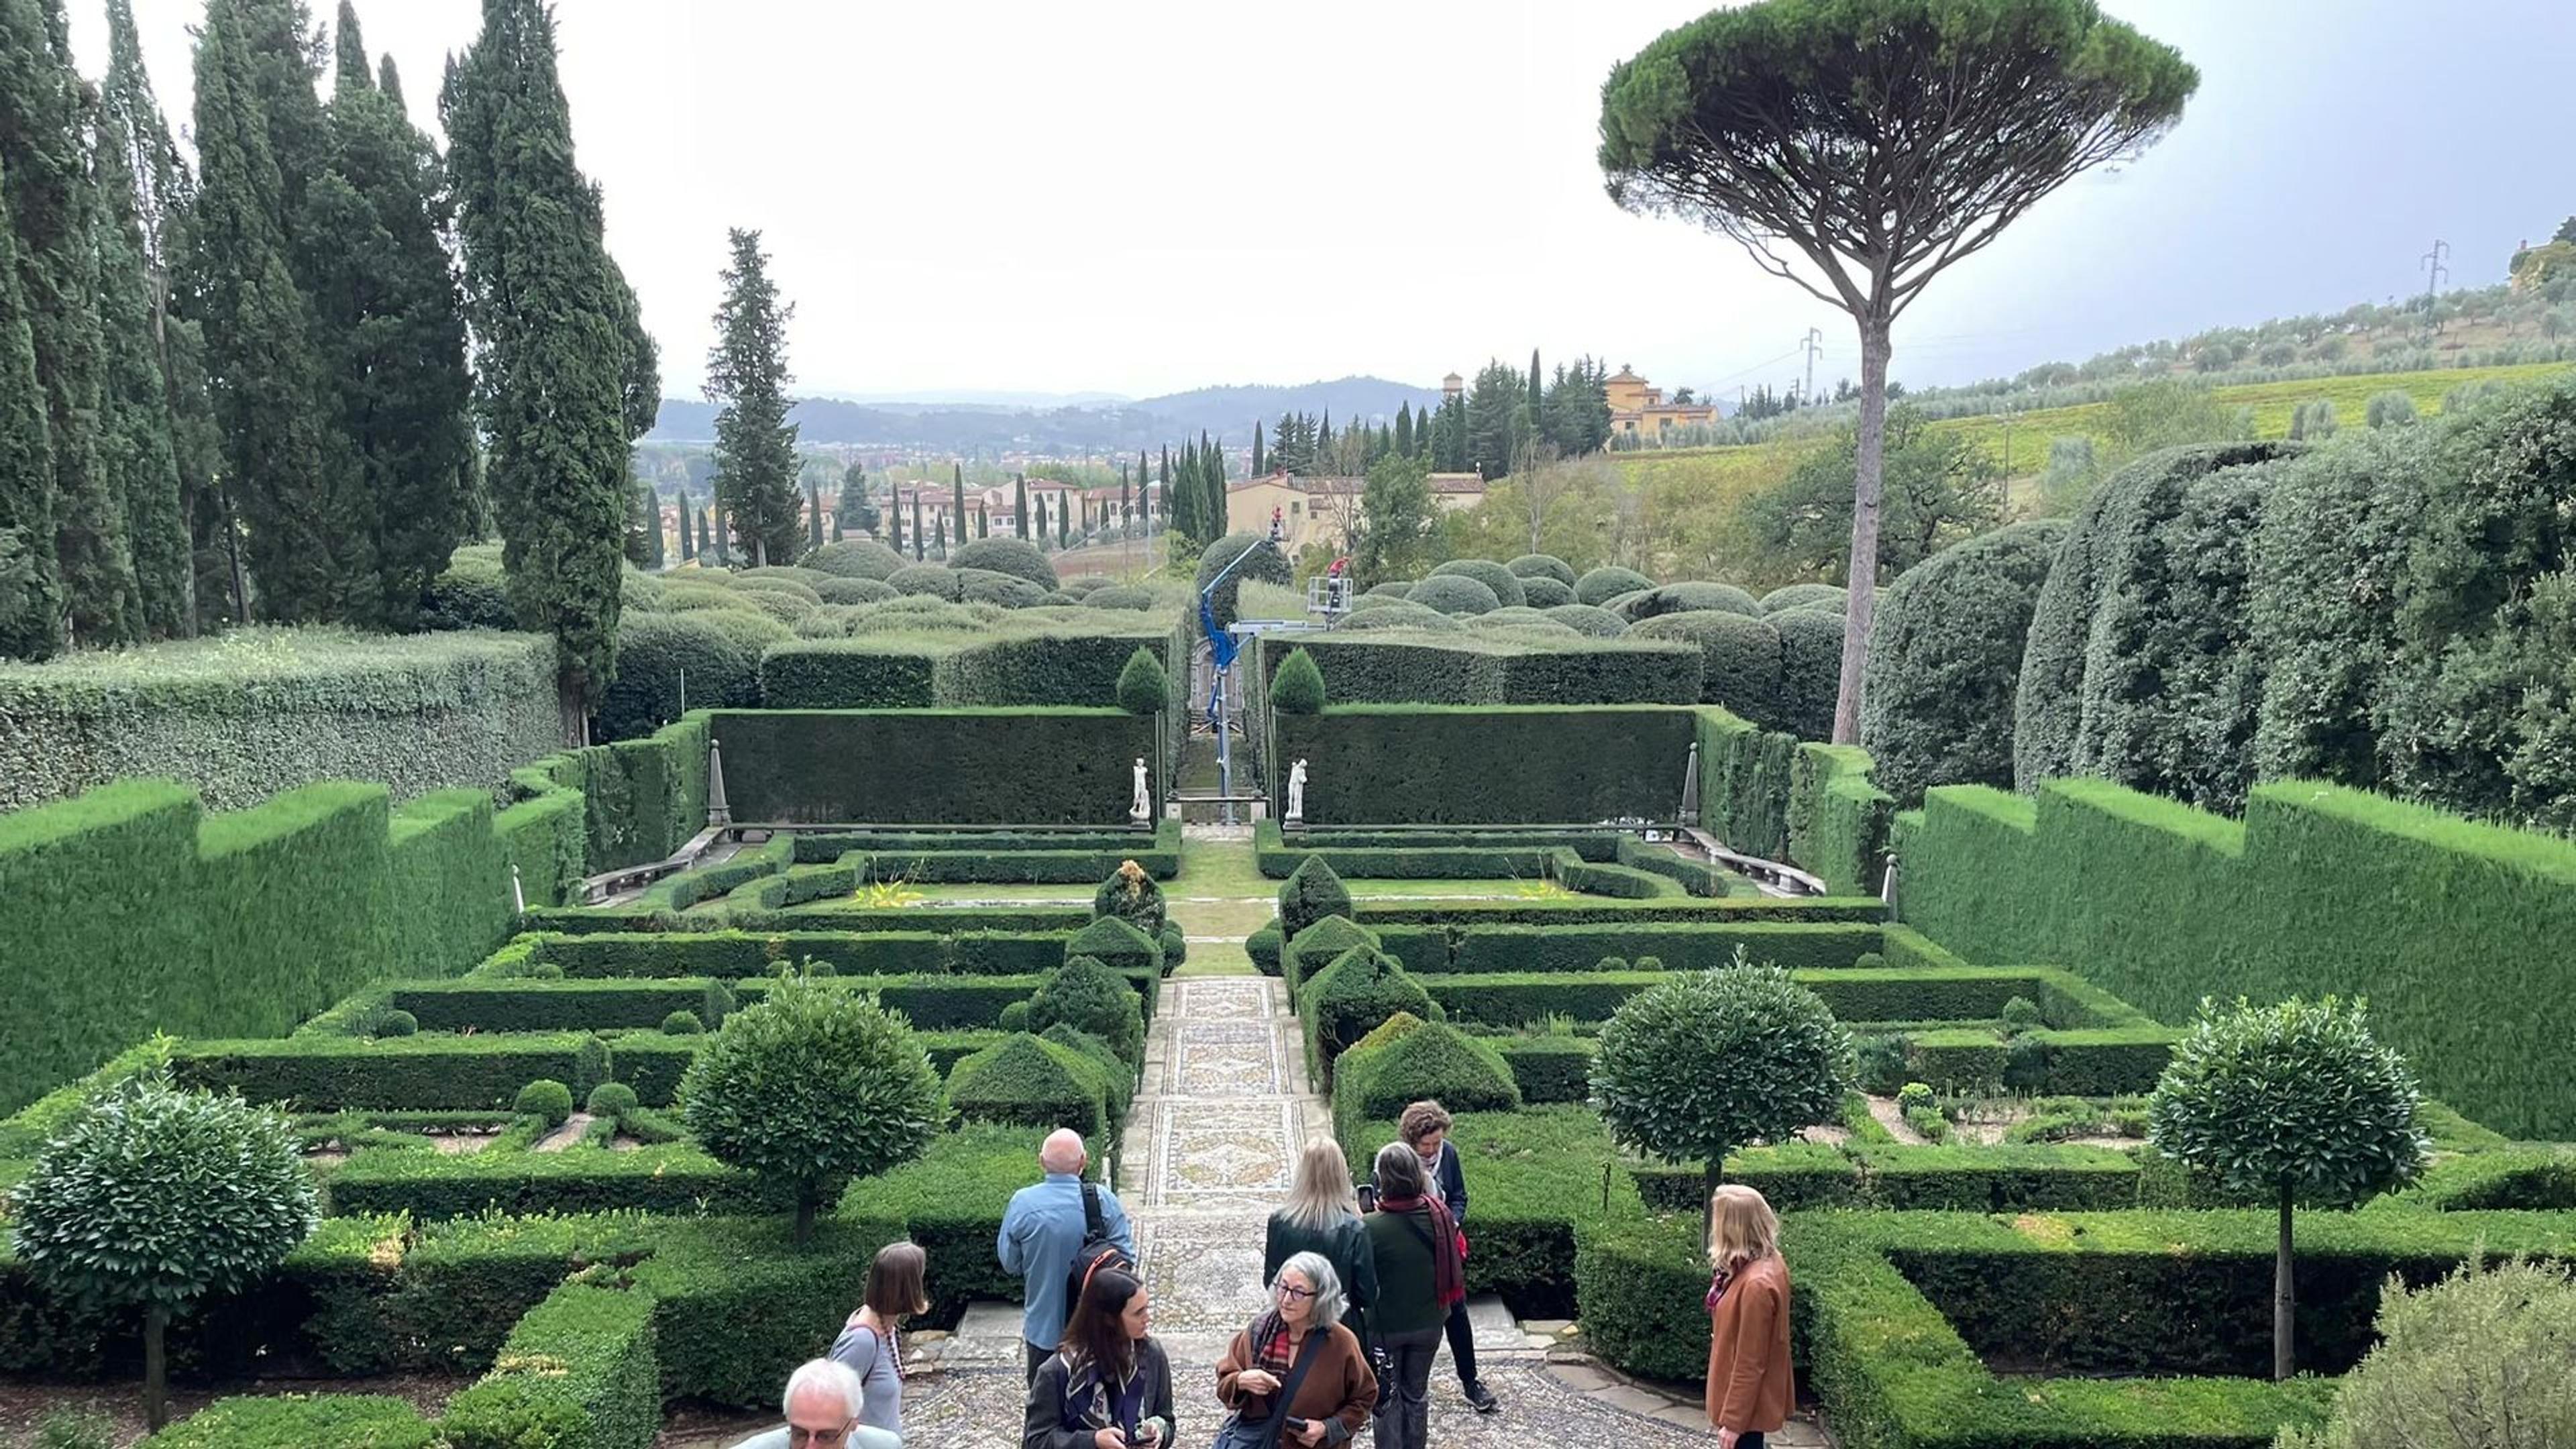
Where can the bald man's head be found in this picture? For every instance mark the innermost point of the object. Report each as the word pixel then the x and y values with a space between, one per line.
pixel 1063 1152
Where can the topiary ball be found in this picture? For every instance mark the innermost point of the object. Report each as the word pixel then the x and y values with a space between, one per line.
pixel 1546 593
pixel 1505 584
pixel 1692 596
pixel 927 579
pixel 1454 594
pixel 547 1098
pixel 1828 597
pixel 856 558
pixel 1542 566
pixel 682 1023
pixel 1298 687
pixel 1014 556
pixel 1609 582
pixel 1739 660
pixel 397 1023
pixel 1014 1017
pixel 1399 614
pixel 611 1099
pixel 1587 619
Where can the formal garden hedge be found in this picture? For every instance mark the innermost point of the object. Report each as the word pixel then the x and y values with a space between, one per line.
pixel 1428 765
pixel 1490 670
pixel 2454 930
pixel 132 911
pixel 254 712
pixel 977 856
pixel 896 672
pixel 1945 652
pixel 1061 766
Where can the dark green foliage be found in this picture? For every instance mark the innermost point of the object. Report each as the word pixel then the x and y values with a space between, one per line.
pixel 1311 893
pixel 853 591
pixel 1454 594
pixel 1015 1017
pixel 1298 687
pixel 1090 998
pixel 683 1023
pixel 392 331
pixel 1608 582
pixel 396 1023
pixel 1397 614
pixel 1265 566
pixel 1588 619
pixel 1543 592
pixel 2136 666
pixel 153 1198
pixel 1352 997
pixel 30 579
pixel 812 1087
pixel 1703 1064
pixel 855 558
pixel 1010 556
pixel 930 579
pixel 1739 658
pixel 1483 947
pixel 1143 687
pixel 545 1098
pixel 755 453
pixel 1690 597
pixel 983 586
pixel 578 1372
pixel 2321 889
pixel 1504 582
pixel 1131 895
pixel 1541 566
pixel 1318 946
pixel 1396 764
pixel 1031 1081
pixel 562 364
pixel 1828 597
pixel 1945 661
pixel 135 454
pixel 1408 1060
pixel 654 651
pixel 1811 663
pixel 294 1421
pixel 309 524
pixel 827 766
pixel 2290 1101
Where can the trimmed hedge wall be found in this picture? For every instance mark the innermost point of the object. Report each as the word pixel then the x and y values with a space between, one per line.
pixel 2456 932
pixel 1965 993
pixel 1576 912
pixel 254 712
pixel 578 1372
pixel 1688 946
pixel 129 910
pixel 1061 766
pixel 866 673
pixel 749 954
pixel 1482 670
pixel 1398 764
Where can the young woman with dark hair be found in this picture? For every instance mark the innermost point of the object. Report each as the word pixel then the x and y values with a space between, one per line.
pixel 1108 1385
pixel 870 1343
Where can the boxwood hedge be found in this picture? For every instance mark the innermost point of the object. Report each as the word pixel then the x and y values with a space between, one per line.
pixel 1052 766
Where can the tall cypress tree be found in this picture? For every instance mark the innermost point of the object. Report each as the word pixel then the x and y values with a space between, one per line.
pixel 814 514
pixel 386 304
pixel 135 452
pixel 654 558
pixel 1020 489
pixel 917 554
pixel 554 322
pixel 853 510
pixel 983 520
pixel 1537 395
pixel 163 196
pixel 30 585
pixel 688 527
pixel 747 372
pixel 1404 428
pixel 309 527
pixel 957 489
pixel 1257 469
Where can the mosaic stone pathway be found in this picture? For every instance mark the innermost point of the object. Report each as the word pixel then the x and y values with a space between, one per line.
pixel 1223 1107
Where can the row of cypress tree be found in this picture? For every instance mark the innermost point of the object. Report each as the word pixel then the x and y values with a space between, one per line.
pixel 241 390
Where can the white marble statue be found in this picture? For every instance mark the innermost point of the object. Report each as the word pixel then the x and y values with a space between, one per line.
pixel 1297 791
pixel 1143 809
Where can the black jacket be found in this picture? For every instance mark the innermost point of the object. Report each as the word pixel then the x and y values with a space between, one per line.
pixel 1345 1245
pixel 1044 1427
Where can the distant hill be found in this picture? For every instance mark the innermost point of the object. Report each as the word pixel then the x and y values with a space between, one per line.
pixel 1111 428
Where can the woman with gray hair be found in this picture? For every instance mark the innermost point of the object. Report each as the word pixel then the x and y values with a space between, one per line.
pixel 1415 1245
pixel 1296 1364
pixel 822 1406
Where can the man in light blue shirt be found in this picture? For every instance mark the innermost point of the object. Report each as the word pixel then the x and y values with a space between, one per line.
pixel 822 1406
pixel 1042 1231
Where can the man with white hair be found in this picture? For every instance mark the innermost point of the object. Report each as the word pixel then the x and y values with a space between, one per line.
pixel 1047 1225
pixel 822 1406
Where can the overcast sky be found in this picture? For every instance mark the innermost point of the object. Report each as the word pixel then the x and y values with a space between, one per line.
pixel 1143 196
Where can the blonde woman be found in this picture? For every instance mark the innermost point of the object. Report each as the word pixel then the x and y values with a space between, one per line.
pixel 1322 1215
pixel 1749 1391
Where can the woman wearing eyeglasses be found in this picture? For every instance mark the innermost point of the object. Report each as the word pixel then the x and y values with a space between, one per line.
pixel 1109 1386
pixel 1296 1365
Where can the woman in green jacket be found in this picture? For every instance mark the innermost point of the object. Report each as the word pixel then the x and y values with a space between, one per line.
pixel 1323 1216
